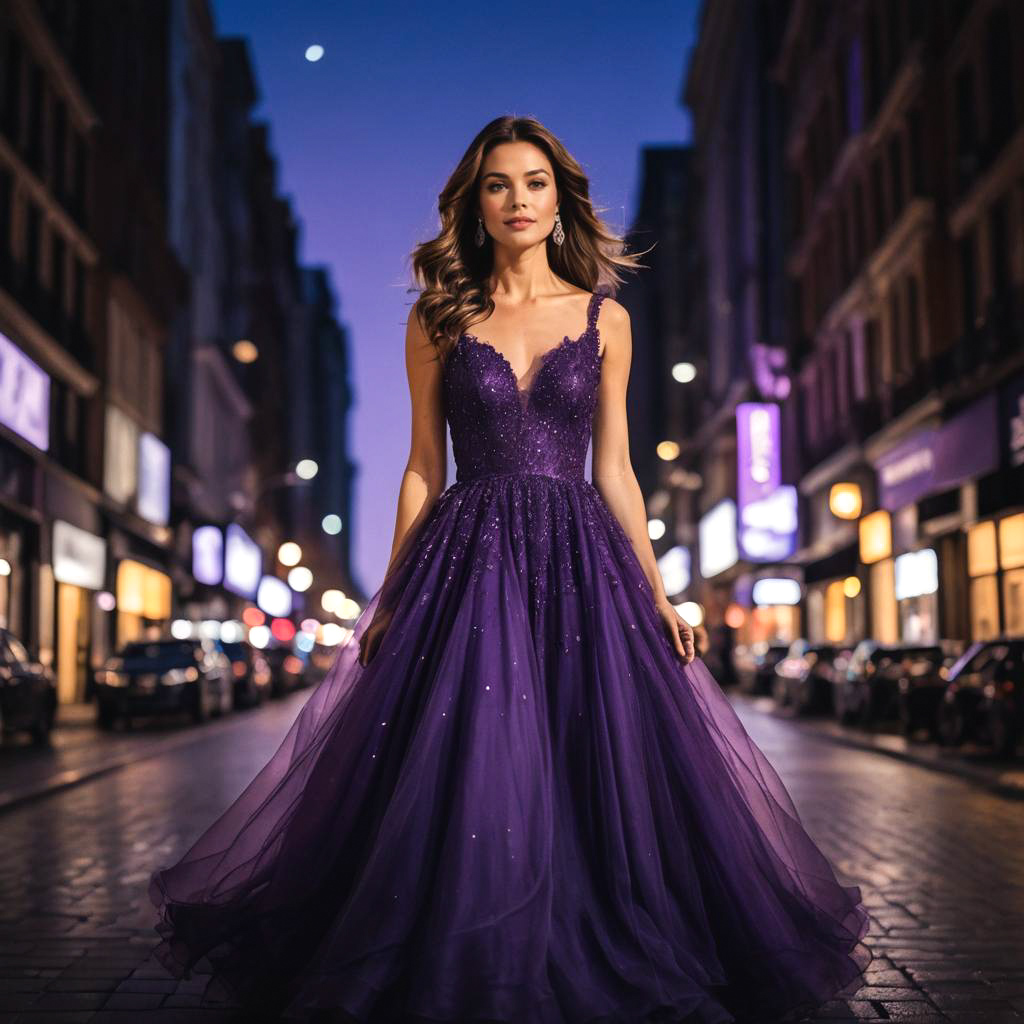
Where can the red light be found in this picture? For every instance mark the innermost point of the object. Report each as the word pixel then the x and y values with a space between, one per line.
pixel 252 616
pixel 283 629
pixel 735 616
pixel 292 665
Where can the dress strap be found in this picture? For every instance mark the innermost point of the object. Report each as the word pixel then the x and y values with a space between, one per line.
pixel 593 308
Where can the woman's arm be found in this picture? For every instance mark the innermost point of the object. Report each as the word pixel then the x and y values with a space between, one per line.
pixel 425 472
pixel 613 473
pixel 424 476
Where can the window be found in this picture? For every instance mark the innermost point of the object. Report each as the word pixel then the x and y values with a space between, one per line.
pixel 878 195
pixel 33 238
pixel 35 117
pixel 1000 246
pixel 844 242
pixel 915 343
pixel 859 213
pixel 12 88
pixel 873 357
pixel 894 30
pixel 80 177
pixel 59 148
pixel 6 199
pixel 854 87
pixel 999 65
pixel 896 173
pixel 896 331
pixel 968 284
pixel 58 277
pixel 966 121
pixel 915 138
pixel 78 298
pixel 875 66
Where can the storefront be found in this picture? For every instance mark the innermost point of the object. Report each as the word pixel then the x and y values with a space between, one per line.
pixel 79 568
pixel 774 601
pixel 835 601
pixel 143 601
pixel 834 598
pixel 24 431
pixel 995 565
pixel 913 543
pixel 995 543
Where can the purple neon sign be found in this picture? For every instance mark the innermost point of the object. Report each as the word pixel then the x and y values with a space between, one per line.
pixel 767 508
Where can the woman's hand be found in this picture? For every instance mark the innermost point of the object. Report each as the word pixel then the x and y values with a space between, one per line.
pixel 678 629
pixel 370 640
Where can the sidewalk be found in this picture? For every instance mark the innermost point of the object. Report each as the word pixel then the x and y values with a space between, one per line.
pixel 1002 776
pixel 79 750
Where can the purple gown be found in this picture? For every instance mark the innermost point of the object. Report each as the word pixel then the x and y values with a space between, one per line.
pixel 525 809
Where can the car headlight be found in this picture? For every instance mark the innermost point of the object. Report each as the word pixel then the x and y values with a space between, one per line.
pixel 175 676
pixel 111 678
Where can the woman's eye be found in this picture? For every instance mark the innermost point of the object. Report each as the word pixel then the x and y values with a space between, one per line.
pixel 497 184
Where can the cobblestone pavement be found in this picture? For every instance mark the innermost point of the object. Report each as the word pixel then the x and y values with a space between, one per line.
pixel 941 863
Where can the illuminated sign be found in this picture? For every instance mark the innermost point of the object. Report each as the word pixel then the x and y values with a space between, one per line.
pixel 776 591
pixel 79 557
pixel 24 395
pixel 243 562
pixel 208 555
pixel 916 573
pixel 153 500
pixel 717 534
pixel 674 566
pixel 274 596
pixel 767 508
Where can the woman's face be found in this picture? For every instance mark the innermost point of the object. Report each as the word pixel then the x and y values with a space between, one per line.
pixel 516 181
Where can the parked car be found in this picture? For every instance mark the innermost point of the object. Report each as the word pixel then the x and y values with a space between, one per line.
pixel 289 669
pixel 982 700
pixel 28 691
pixel 869 691
pixel 805 677
pixel 921 691
pixel 755 666
pixel 250 673
pixel 164 676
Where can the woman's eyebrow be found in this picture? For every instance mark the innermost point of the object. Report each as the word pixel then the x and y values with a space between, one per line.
pixel 501 174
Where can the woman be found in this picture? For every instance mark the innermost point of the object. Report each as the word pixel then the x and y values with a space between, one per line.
pixel 516 796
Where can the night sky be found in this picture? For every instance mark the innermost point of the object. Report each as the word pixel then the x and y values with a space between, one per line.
pixel 367 136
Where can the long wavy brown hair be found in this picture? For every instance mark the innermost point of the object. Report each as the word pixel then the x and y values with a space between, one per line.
pixel 451 271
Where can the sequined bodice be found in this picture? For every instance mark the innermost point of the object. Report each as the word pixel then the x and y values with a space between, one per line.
pixel 498 426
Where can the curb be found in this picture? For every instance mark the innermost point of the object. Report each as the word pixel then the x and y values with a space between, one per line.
pixel 1008 783
pixel 66 779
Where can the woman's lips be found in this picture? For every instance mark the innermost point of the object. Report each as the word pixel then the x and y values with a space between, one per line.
pixel 518 224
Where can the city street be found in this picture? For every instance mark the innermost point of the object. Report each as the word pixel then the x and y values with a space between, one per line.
pixel 939 858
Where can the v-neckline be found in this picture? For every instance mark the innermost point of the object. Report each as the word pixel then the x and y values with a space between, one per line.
pixel 524 392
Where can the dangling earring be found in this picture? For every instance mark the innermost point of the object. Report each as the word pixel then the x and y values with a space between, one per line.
pixel 558 235
pixel 480 237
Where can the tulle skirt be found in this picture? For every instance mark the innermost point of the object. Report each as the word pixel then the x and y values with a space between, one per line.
pixel 524 809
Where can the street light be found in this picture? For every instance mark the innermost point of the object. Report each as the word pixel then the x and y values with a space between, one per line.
pixel 289 553
pixel 300 578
